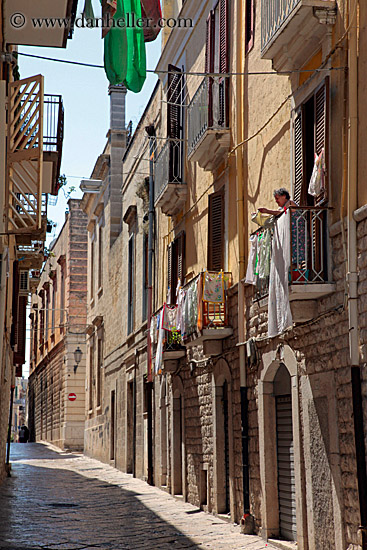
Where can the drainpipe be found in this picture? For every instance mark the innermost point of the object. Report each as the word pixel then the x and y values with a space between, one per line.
pixel 151 133
pixel 247 520
pixel 7 463
pixel 352 276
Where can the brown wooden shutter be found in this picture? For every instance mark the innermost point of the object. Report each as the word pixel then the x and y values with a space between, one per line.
pixel 174 99
pixel 209 61
pixel 321 127
pixel 180 249
pixel 216 231
pixel 223 37
pixel 249 25
pixel 20 331
pixel 223 62
pixel 298 157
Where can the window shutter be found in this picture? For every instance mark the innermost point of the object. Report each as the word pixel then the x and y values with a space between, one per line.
pixel 298 157
pixel 216 231
pixel 209 61
pixel 20 331
pixel 174 99
pixel 174 121
pixel 321 127
pixel 223 37
pixel 180 247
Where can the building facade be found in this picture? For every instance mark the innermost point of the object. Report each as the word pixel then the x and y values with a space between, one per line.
pixel 56 388
pixel 29 168
pixel 249 405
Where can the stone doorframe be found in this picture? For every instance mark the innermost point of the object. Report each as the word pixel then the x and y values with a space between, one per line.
pixel 178 465
pixel 221 374
pixel 163 407
pixel 268 446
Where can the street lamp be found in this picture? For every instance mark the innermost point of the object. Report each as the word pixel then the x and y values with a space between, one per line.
pixel 77 357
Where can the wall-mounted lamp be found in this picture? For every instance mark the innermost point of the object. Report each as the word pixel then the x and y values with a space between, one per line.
pixel 77 357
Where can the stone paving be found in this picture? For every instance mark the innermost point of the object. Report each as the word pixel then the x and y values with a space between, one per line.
pixel 63 501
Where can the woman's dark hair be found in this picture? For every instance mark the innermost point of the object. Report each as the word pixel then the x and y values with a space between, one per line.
pixel 282 192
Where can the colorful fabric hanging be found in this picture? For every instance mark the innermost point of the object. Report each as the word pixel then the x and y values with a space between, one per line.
pixel 169 321
pixel 213 288
pixel 124 48
pixel 151 9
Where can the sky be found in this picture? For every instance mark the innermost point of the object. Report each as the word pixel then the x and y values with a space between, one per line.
pixel 86 104
pixel 86 101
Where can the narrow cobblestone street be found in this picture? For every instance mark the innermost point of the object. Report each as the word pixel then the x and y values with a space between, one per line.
pixel 57 500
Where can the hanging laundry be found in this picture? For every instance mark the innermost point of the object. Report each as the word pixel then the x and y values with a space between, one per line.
pixel 109 8
pixel 136 56
pixel 124 48
pixel 88 9
pixel 213 288
pixel 179 303
pixel 250 273
pixel 159 351
pixel 317 181
pixel 265 255
pixel 169 321
pixel 279 311
pixel 151 10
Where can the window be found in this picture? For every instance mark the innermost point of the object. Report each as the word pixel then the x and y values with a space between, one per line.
pixel 100 256
pixel 131 271
pixel 54 288
pixel 249 24
pixel 62 297
pixel 99 367
pixel 216 231
pixel 47 307
pixel 217 61
pixel 310 136
pixel 175 122
pixel 145 275
pixel 176 257
pixel 91 371
pixel 92 259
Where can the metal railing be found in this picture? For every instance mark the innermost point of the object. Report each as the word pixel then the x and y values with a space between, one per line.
pixel 168 167
pixel 200 314
pixel 308 249
pixel 273 14
pixel 208 109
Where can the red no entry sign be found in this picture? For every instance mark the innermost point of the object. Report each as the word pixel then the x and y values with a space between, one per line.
pixel 72 396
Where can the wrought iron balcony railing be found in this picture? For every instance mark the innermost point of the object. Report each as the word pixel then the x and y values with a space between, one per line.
pixel 168 167
pixel 201 314
pixel 273 14
pixel 308 249
pixel 208 110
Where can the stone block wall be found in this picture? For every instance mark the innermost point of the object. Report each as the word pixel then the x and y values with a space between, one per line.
pixel 321 347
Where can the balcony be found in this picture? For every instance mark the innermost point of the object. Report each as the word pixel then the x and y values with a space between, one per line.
pixel 28 34
pixel 308 273
pixel 169 190
pixel 208 131
pixel 35 136
pixel 205 322
pixel 293 30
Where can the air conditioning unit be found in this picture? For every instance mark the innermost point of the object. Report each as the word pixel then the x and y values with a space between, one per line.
pixel 23 282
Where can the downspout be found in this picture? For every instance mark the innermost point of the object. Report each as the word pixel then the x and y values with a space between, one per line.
pixel 246 520
pixel 352 276
pixel 7 463
pixel 150 130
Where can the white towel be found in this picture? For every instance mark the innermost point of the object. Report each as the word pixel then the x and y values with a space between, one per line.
pixel 250 274
pixel 279 310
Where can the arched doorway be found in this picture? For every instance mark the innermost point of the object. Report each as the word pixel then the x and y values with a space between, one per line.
pixel 285 455
pixel 223 439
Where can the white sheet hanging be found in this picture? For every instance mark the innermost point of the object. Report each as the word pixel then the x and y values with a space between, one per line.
pixel 250 274
pixel 279 310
